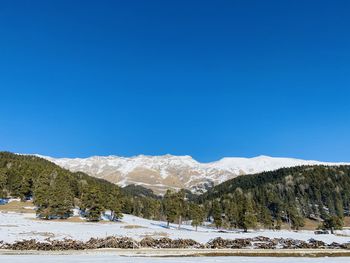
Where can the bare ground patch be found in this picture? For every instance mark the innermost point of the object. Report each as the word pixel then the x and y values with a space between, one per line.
pixel 18 207
pixel 73 219
pixel 133 227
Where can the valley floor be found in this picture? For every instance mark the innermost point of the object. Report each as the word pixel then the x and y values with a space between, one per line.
pixel 16 226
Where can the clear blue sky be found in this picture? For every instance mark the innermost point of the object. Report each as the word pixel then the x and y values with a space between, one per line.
pixel 204 78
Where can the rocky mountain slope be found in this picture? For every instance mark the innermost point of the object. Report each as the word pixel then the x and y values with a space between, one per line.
pixel 168 171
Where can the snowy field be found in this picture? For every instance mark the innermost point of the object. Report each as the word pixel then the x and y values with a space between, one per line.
pixel 16 226
pixel 113 258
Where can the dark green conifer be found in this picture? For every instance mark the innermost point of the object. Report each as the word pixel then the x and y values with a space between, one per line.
pixel 196 214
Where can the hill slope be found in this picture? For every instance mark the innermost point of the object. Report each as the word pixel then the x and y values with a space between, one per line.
pixel 287 194
pixel 55 190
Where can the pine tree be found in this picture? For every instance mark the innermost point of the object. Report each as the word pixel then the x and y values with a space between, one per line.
pixel 114 203
pixel 137 207
pixel 26 186
pixel 170 207
pixel 196 214
pixel 181 206
pixel 232 214
pixel 339 209
pixel 3 180
pixel 92 203
pixel 333 223
pixel 217 214
pixel 265 217
pixel 249 217
pixel 296 220
pixel 127 205
pixel 41 194
pixel 61 198
pixel 151 208
pixel 322 211
pixel 175 206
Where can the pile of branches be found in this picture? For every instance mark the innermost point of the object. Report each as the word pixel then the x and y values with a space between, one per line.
pixel 274 243
pixel 229 243
pixel 47 245
pixel 295 243
pixel 158 243
pixel 70 244
pixel 165 242
pixel 112 242
pixel 97 243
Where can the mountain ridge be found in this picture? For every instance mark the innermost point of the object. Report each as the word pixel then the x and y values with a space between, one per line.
pixel 170 171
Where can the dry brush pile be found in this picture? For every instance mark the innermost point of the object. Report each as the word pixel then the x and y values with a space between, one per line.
pixel 163 243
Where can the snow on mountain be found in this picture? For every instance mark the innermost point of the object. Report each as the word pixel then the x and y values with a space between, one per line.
pixel 168 171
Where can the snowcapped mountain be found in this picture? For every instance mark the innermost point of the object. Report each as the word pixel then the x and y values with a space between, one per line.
pixel 168 171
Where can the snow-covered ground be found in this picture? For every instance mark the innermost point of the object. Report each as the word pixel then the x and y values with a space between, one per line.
pixel 16 226
pixel 100 257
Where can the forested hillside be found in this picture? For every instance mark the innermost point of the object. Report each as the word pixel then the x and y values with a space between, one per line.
pixel 56 191
pixel 285 195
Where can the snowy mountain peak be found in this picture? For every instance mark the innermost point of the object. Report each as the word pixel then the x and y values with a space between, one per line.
pixel 170 171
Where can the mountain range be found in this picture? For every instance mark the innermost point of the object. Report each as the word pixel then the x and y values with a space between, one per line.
pixel 160 173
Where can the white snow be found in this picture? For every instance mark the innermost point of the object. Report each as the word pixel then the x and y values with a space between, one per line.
pixel 15 226
pixel 14 200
